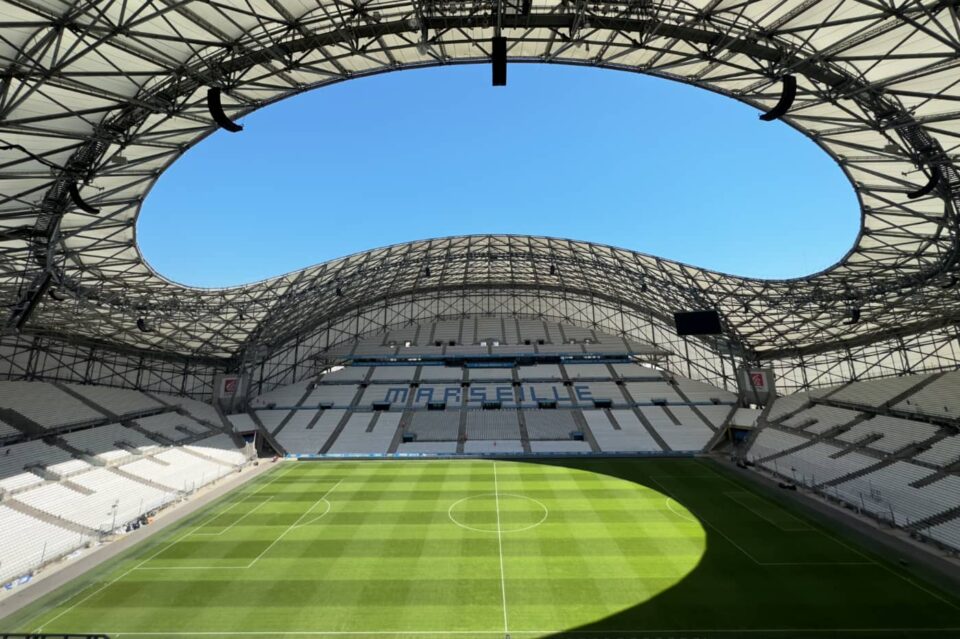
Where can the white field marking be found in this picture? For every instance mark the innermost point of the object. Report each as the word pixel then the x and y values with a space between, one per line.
pixel 641 632
pixel 678 513
pixel 546 513
pixel 113 581
pixel 705 522
pixel 320 516
pixel 248 566
pixel 294 524
pixel 870 559
pixel 250 512
pixel 744 551
pixel 241 498
pixel 503 583
pixel 110 583
pixel 732 495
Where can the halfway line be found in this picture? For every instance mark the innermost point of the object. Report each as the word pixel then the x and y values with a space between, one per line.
pixel 503 584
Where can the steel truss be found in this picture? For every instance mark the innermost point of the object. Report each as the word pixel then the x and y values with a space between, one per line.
pixel 100 97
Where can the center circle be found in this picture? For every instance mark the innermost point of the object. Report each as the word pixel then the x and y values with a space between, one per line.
pixel 498 513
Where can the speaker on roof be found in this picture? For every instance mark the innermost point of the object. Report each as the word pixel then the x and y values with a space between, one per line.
pixel 498 55
pixel 698 323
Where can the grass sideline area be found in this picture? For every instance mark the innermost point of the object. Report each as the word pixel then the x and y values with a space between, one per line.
pixel 638 548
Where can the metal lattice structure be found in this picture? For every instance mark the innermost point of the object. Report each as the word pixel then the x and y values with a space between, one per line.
pixel 98 98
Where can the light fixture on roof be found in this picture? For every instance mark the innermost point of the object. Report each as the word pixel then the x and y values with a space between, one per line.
pixel 217 113
pixel 426 271
pixel 142 325
pixel 553 269
pixel 74 192
pixel 853 315
pixel 927 188
pixel 498 56
pixel 787 95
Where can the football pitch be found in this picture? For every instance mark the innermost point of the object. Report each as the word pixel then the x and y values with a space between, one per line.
pixel 404 549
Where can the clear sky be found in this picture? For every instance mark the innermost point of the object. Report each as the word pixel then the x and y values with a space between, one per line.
pixel 617 158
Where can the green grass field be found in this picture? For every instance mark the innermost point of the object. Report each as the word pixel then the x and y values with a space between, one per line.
pixel 580 548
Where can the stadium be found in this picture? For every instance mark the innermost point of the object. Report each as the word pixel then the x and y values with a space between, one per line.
pixel 490 436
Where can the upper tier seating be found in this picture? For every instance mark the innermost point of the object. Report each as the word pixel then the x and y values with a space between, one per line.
pixel 197 409
pixel 489 328
pixel 824 418
pixel 103 441
pixel 783 406
pixel 441 373
pixel 532 330
pixel 282 396
pixel 546 372
pixel 273 418
pixel 14 458
pixel 942 453
pixel 450 394
pixel 742 418
pixel 940 398
pixel 896 433
pixel 347 375
pixel 588 371
pixel 297 437
pixel 531 394
pixel 403 334
pixel 876 392
pixel 7 431
pixel 490 374
pixel 45 404
pixel 172 426
pixel 690 435
pixel 335 395
pixel 362 435
pixel 630 437
pixel 393 374
pixel 447 331
pixel 242 422
pixel 646 392
pixel 588 392
pixel 117 401
pixel 770 441
pixel 701 393
pixel 636 371
pixel 716 414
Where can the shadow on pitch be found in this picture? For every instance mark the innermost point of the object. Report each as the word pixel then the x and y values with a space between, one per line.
pixel 730 594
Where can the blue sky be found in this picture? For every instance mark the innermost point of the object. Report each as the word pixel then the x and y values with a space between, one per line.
pixel 610 157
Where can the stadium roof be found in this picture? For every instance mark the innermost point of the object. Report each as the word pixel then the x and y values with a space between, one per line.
pixel 102 97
